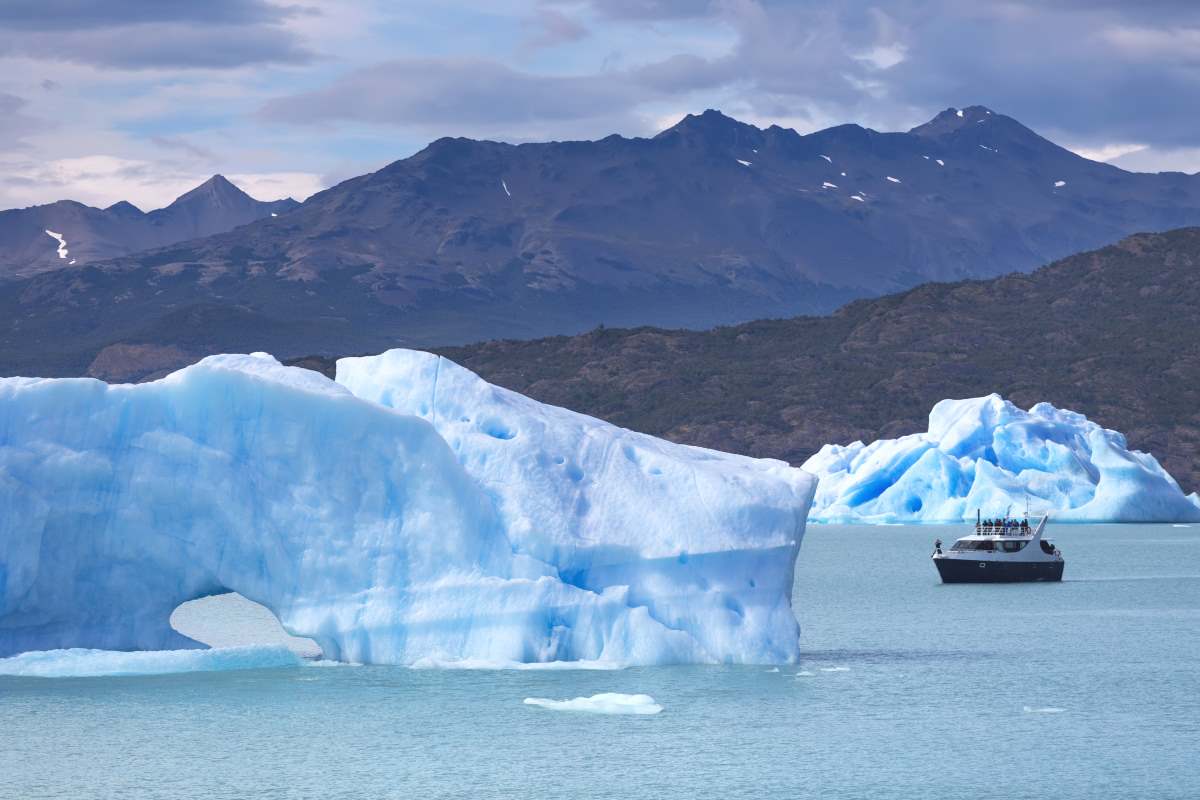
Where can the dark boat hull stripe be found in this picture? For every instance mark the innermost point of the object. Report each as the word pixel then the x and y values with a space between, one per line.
pixel 961 570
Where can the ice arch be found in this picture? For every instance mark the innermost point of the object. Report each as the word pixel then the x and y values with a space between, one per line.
pixel 358 527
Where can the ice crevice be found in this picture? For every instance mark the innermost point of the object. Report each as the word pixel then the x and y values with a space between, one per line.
pixel 408 512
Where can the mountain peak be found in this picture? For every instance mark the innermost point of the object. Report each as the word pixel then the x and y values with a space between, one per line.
pixel 710 121
pixel 124 208
pixel 218 188
pixel 711 128
pixel 953 119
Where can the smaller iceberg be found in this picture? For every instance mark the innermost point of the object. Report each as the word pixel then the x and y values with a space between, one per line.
pixel 986 453
pixel 604 703
pixel 81 662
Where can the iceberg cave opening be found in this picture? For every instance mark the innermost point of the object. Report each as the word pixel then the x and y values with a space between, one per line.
pixel 230 620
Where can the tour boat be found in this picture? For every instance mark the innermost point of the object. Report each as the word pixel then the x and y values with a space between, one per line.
pixel 1000 551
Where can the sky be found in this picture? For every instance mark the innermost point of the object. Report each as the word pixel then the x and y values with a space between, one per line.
pixel 141 100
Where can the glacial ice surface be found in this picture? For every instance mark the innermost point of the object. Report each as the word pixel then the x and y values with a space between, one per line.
pixel 419 516
pixel 84 663
pixel 985 453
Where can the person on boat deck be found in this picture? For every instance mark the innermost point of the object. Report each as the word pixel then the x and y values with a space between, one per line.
pixel 937 546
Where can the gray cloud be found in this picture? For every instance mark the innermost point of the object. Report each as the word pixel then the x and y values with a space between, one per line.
pixel 133 35
pixel 60 15
pixel 456 95
pixel 181 145
pixel 1093 71
pixel 14 122
pixel 551 27
pixel 653 9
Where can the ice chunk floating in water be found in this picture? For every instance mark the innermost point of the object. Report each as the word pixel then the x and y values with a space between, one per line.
pixel 988 454
pixel 82 663
pixel 432 518
pixel 606 703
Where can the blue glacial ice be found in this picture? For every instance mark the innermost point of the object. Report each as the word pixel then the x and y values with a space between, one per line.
pixel 985 453
pixel 84 663
pixel 415 515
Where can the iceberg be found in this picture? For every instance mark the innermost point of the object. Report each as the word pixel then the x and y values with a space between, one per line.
pixel 985 453
pixel 83 663
pixel 410 514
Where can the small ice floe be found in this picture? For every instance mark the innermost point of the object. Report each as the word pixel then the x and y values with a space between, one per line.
pixel 925 157
pixel 893 180
pixel 1059 184
pixel 79 662
pixel 324 662
pixel 958 111
pixel 505 187
pixel 991 149
pixel 744 163
pixel 858 197
pixel 805 674
pixel 604 703
pixel 835 669
pixel 940 163
pixel 843 174
pixel 827 158
pixel 828 185
pixel 273 214
pixel 754 149
pixel 1046 710
pixel 773 669
pixel 72 261
pixel 62 243
pixel 1181 526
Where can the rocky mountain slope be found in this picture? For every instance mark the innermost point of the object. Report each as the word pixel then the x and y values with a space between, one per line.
pixel 711 222
pixel 1109 333
pixel 69 234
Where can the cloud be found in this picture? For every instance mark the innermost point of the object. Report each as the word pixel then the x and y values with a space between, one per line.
pixel 278 185
pixel 551 27
pixel 456 95
pixel 135 35
pixel 653 9
pixel 15 124
pixel 61 15
pixel 1108 152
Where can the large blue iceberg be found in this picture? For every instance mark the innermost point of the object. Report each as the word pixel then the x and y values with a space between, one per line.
pixel 414 515
pixel 987 454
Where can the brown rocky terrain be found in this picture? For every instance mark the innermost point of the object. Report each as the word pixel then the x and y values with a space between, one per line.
pixel 1113 334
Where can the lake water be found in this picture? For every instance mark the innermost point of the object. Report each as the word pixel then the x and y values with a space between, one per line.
pixel 907 689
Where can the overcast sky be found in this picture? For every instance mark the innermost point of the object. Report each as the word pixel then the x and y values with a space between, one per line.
pixel 143 99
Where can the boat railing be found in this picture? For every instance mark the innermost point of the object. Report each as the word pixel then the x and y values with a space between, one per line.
pixel 1002 530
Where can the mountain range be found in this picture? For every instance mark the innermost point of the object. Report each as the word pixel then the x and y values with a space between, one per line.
pixel 69 234
pixel 710 222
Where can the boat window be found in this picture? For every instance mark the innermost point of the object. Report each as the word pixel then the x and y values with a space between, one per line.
pixel 1011 547
pixel 973 545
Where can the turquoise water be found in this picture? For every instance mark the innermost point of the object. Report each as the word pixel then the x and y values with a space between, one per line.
pixel 1084 689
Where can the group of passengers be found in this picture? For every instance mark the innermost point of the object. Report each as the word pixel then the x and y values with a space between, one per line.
pixel 1006 525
